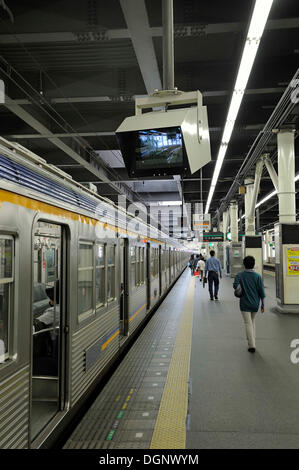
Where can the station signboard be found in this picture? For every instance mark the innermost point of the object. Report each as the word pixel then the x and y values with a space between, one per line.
pixel 202 222
pixel 212 237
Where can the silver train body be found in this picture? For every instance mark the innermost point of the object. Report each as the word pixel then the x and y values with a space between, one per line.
pixel 74 288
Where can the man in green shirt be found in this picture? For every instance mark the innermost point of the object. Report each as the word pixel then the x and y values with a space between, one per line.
pixel 252 292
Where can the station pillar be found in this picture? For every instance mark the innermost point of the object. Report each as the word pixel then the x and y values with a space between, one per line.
pixel 267 246
pixel 235 253
pixel 220 246
pixel 249 221
pixel 225 257
pixel 287 230
pixel 252 243
pixel 233 212
pixel 286 177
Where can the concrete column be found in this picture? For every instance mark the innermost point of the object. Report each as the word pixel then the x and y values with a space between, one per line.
pixel 257 212
pixel 286 176
pixel 267 241
pixel 271 171
pixel 249 224
pixel 225 223
pixel 225 227
pixel 233 210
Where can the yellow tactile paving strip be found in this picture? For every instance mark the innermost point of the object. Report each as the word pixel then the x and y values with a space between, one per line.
pixel 170 428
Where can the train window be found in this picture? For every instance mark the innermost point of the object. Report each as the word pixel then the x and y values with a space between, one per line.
pixel 111 273
pixel 6 282
pixel 137 267
pixel 166 259
pixel 100 275
pixel 141 265
pixel 152 264
pixel 156 262
pixel 85 279
pixel 133 266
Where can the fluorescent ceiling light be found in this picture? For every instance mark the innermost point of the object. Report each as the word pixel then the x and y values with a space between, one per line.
pixel 220 158
pixel 249 53
pixel 228 130
pixel 257 24
pixel 259 18
pixel 166 203
pixel 234 105
pixel 266 198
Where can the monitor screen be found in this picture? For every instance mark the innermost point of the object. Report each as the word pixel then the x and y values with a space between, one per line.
pixel 159 148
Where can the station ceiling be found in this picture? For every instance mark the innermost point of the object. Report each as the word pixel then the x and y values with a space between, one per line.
pixel 72 69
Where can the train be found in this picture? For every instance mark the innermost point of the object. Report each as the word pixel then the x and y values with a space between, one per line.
pixel 75 287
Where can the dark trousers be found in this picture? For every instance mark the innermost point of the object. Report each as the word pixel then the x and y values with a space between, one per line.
pixel 213 278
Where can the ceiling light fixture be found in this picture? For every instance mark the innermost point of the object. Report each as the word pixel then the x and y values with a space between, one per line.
pixel 257 24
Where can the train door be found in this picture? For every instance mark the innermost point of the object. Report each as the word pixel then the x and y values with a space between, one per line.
pixel 148 275
pixel 49 271
pixel 124 287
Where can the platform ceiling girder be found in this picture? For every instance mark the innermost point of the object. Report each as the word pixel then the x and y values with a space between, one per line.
pixel 137 20
pixel 103 35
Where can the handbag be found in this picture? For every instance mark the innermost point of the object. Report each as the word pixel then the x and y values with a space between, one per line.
pixel 238 292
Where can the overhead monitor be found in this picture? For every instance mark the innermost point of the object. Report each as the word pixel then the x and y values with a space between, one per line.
pixel 165 143
pixel 160 150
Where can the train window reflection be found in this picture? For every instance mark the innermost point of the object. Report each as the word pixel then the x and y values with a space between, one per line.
pixel 85 279
pixel 141 265
pixel 133 267
pixel 100 275
pixel 111 273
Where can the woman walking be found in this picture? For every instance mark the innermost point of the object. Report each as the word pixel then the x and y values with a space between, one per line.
pixel 252 293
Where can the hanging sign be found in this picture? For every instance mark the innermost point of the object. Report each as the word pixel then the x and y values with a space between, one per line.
pixel 202 221
pixel 212 237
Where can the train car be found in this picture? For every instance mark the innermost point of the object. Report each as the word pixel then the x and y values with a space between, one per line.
pixel 74 287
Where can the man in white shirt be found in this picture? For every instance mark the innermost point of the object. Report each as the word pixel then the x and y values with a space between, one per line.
pixel 201 268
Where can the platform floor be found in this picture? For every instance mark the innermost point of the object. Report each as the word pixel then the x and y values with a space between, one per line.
pixel 189 381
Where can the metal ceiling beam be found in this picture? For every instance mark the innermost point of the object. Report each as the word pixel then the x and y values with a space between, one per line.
pixel 101 35
pixel 59 135
pixel 126 99
pixel 251 127
pixel 137 21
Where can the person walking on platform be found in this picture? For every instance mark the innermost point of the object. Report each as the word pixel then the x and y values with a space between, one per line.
pixel 191 264
pixel 213 266
pixel 196 265
pixel 200 267
pixel 252 293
